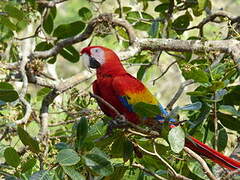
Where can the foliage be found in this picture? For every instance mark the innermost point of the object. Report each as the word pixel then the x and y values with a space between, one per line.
pixel 74 146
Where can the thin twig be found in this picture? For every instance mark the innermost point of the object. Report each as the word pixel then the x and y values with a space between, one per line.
pixel 148 171
pixel 179 93
pixel 231 174
pixel 120 8
pixel 202 162
pixel 215 121
pixel 174 173
pixel 165 71
pixel 61 123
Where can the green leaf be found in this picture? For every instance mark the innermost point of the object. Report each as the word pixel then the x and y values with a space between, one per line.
pixel 22 25
pixel 2 149
pixel 229 110
pixel 117 147
pixel 29 164
pixel 142 71
pixel 218 71
pixel 119 171
pixel 142 26
pixel 42 93
pixel 82 131
pixel 68 30
pixel 196 169
pixel 27 140
pixel 154 30
pixel 7 92
pixel 62 145
pixel 70 53
pixel 124 9
pixel 48 24
pixel 121 31
pixel 98 164
pixel 14 12
pixel 233 97
pixel 197 75
pixel 181 23
pixel 5 21
pixel 217 85
pixel 202 4
pixel 147 16
pixel 42 46
pixel 162 7
pixel 68 157
pixel 72 173
pixel 222 139
pixel 134 16
pixel 229 121
pixel 12 157
pixel 41 175
pixel 52 60
pixel 192 107
pixel 127 150
pixel 85 14
pixel 176 138
pixel 146 110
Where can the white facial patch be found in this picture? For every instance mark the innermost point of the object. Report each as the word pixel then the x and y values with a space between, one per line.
pixel 86 60
pixel 98 54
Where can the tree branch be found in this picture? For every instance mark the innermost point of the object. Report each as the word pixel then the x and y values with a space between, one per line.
pixel 179 93
pixel 202 162
pixel 155 153
pixel 148 171
pixel 50 4
pixel 23 92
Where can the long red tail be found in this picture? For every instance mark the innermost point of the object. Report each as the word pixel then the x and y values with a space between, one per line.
pixel 215 156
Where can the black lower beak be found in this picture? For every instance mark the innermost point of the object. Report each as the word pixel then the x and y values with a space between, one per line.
pixel 94 63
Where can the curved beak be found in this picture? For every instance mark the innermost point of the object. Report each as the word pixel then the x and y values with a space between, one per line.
pixel 90 61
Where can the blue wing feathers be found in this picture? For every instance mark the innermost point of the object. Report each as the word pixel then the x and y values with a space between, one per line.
pixel 165 113
pixel 124 101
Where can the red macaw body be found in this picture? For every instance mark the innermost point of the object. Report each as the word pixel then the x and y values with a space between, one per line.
pixel 122 90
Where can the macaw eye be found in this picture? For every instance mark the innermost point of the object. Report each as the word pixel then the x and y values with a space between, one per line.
pixel 96 50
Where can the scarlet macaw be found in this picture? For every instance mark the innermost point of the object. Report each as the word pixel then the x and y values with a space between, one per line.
pixel 122 90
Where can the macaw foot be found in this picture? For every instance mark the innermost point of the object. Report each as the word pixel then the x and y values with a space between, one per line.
pixel 119 122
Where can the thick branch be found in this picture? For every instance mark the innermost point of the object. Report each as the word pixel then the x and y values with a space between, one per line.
pixel 86 34
pixel 155 44
pixel 137 45
pixel 61 87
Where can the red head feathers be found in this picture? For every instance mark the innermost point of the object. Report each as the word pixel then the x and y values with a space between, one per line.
pixel 103 59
